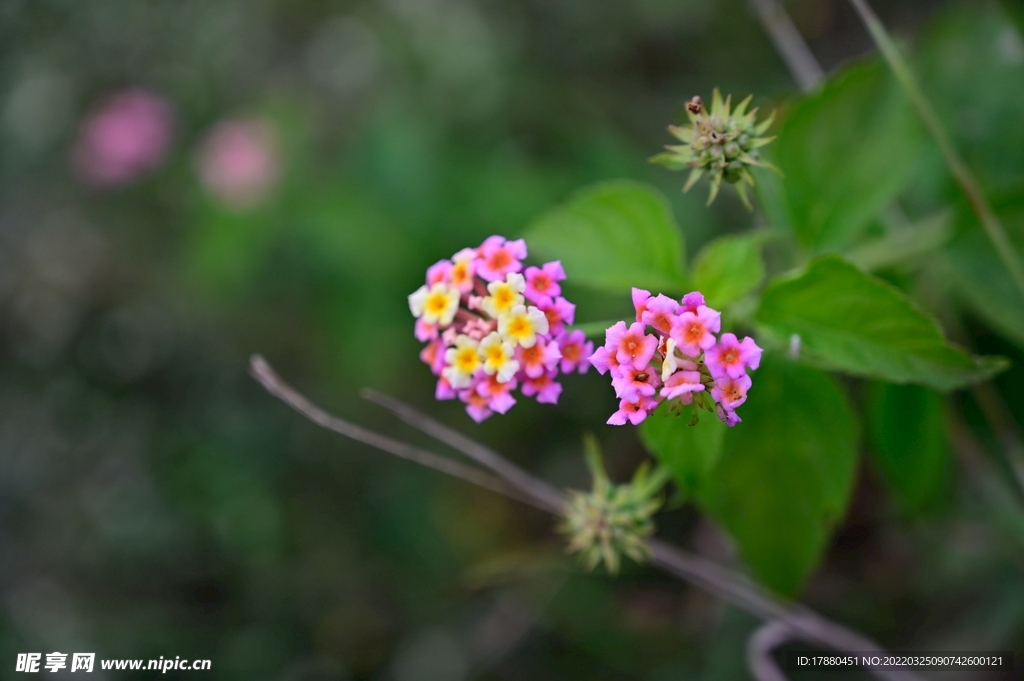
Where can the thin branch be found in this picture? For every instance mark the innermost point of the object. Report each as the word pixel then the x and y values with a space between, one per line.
pixel 731 587
pixel 806 70
pixel 759 651
pixel 276 386
pixel 957 166
pixel 1007 432
pixel 976 463
pixel 744 594
pixel 549 497
pixel 996 414
pixel 925 235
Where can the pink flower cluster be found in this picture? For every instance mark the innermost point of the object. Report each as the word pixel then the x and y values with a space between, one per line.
pixel 681 361
pixel 492 325
pixel 239 162
pixel 126 137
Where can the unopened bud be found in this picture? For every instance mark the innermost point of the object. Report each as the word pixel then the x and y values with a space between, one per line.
pixel 717 136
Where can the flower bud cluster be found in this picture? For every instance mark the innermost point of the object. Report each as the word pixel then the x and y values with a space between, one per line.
pixel 612 520
pixel 722 143
pixel 682 363
pixel 492 326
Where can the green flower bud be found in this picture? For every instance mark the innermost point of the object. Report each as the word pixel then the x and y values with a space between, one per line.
pixel 720 143
pixel 612 520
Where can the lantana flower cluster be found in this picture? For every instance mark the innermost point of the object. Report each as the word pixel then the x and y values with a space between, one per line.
pixel 683 362
pixel 492 325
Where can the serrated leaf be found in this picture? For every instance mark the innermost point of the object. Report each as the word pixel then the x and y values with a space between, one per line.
pixel 845 151
pixel 613 236
pixel 853 322
pixel 786 472
pixel 906 427
pixel 688 452
pixel 729 267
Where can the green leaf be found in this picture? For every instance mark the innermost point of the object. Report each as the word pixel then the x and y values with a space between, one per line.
pixel 971 70
pixel 845 151
pixel 977 276
pixel 924 238
pixel 851 321
pixel 688 452
pixel 786 472
pixel 613 236
pixel 729 268
pixel 981 281
pixel 906 425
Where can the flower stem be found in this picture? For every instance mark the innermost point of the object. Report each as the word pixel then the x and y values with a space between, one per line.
pixel 789 44
pixel 512 481
pixel 957 166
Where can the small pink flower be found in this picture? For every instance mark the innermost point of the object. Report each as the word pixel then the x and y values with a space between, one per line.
pixel 444 390
pixel 631 345
pixel 425 331
pixel 449 335
pixel 732 358
pixel 634 412
pixel 496 257
pixel 477 405
pixel 682 383
pixel 575 349
pixel 439 272
pixel 540 357
pixel 478 329
pixel 729 418
pixel 433 356
pixel 543 281
pixel 239 162
pixel 499 395
pixel 660 313
pixel 694 331
pixel 631 384
pixel 692 301
pixel 640 298
pixel 731 392
pixel 463 269
pixel 603 360
pixel 544 387
pixel 128 136
pixel 558 311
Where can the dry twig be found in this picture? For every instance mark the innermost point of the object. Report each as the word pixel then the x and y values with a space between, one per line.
pixel 730 586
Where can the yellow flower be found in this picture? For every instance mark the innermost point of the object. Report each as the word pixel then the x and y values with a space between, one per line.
pixel 498 354
pixel 520 325
pixel 463 361
pixel 436 305
pixel 504 295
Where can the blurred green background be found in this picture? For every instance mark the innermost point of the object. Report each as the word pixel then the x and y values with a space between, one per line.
pixel 155 501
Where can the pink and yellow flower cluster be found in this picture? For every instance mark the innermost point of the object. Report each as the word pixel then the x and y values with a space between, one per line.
pixel 682 362
pixel 492 325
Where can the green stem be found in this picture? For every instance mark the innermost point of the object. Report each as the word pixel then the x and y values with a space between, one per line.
pixel 993 227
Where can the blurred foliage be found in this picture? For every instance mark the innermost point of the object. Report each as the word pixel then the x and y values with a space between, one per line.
pixel 156 502
pixel 614 236
pixel 845 152
pixel 729 268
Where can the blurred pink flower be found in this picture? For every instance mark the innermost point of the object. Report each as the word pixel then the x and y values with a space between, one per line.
pixel 127 136
pixel 239 163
